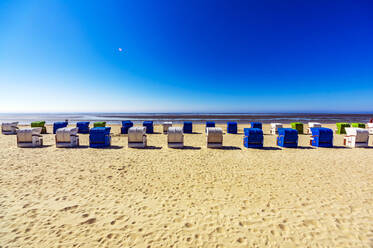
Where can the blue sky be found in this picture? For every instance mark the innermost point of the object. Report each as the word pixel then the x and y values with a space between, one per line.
pixel 186 56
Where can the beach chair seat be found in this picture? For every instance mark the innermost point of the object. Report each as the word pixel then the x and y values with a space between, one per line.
pixel 209 124
pixel 99 137
pixel 166 125
pixel 311 125
pixel 137 137
pixel 125 126
pixel 214 137
pixel 358 125
pixel 149 126
pixel 298 126
pixel 255 124
pixel 188 127
pixel 370 127
pixel 9 128
pixel 67 137
pixel 99 124
pixel 356 137
pixel 175 137
pixel 29 137
pixel 321 137
pixel 287 137
pixel 232 127
pixel 39 124
pixel 274 128
pixel 253 138
pixel 83 126
pixel 341 127
pixel 59 124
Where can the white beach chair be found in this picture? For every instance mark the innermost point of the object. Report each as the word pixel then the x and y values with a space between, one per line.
pixel 370 128
pixel 137 137
pixel 29 137
pixel 311 125
pixel 275 127
pixel 166 125
pixel 67 137
pixel 214 137
pixel 9 128
pixel 175 137
pixel 356 137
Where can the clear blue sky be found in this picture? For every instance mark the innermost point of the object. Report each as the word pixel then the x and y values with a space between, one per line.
pixel 186 56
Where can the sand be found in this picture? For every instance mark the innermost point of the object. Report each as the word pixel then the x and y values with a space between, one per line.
pixel 195 197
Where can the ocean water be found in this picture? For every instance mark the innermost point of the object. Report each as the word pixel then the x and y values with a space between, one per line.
pixel 116 118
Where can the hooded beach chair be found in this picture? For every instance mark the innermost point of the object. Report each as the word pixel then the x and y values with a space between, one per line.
pixel 275 127
pixel 166 125
pixel 287 137
pixel 256 125
pixel 370 127
pixel 137 137
pixel 149 126
pixel 175 137
pixel 30 137
pixel 9 128
pixel 232 127
pixel 39 124
pixel 58 125
pixel 214 137
pixel 83 126
pixel 253 138
pixel 67 137
pixel 311 125
pixel 209 124
pixel 356 137
pixel 358 125
pixel 125 126
pixel 298 126
pixel 341 127
pixel 99 124
pixel 99 137
pixel 188 127
pixel 321 137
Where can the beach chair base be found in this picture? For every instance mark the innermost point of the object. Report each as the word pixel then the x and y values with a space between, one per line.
pixel 99 145
pixel 36 142
pixel 72 144
pixel 137 145
pixel 9 132
pixel 253 145
pixel 214 145
pixel 175 145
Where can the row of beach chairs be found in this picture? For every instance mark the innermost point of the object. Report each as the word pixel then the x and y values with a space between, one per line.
pixel 99 135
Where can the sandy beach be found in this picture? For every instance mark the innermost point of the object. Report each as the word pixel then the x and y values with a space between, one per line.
pixel 193 197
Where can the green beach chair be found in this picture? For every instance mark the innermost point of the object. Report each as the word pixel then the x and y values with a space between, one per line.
pixel 99 124
pixel 39 124
pixel 359 125
pixel 298 126
pixel 341 127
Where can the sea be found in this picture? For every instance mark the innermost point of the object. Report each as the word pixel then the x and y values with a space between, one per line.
pixel 242 118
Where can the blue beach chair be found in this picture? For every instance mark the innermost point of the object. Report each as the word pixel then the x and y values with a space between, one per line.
pixel 209 124
pixel 188 127
pixel 232 127
pixel 125 126
pixel 83 126
pixel 287 137
pixel 58 125
pixel 256 125
pixel 99 137
pixel 149 126
pixel 321 137
pixel 253 138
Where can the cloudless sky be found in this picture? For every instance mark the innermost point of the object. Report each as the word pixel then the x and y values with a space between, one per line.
pixel 186 56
